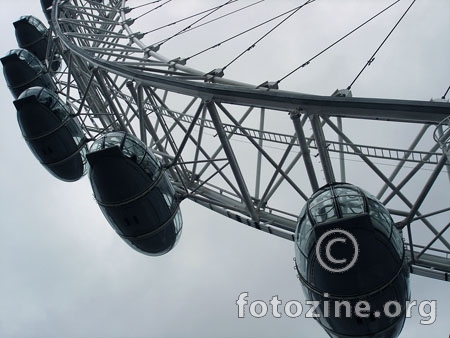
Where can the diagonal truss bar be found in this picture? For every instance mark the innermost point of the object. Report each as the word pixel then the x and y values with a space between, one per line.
pixel 163 107
pixel 322 148
pixel 281 179
pixel 390 184
pixel 188 133
pixel 431 214
pixel 181 115
pixel 289 168
pixel 439 235
pixel 99 29
pixel 197 149
pixel 229 136
pixel 113 87
pixel 107 97
pixel 263 152
pixel 341 151
pixel 426 189
pixel 295 117
pixel 402 162
pixel 410 175
pixel 266 195
pixel 153 98
pixel 244 94
pixel 415 156
pixel 232 159
pixel 259 155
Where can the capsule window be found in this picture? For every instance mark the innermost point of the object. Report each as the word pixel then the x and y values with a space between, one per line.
pixel 323 211
pixel 350 201
pixel 151 166
pixel 133 149
pixel 178 222
pixel 398 241
pixel 168 198
pixel 302 263
pixel 299 222
pixel 35 22
pixel 112 140
pixel 167 191
pixel 58 108
pixel 304 234
pixel 380 226
pixel 380 217
pixel 159 210
pixel 97 145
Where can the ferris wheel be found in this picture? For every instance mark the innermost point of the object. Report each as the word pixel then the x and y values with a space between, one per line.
pixel 94 94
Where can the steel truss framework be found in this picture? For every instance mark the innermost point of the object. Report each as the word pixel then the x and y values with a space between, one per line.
pixel 252 153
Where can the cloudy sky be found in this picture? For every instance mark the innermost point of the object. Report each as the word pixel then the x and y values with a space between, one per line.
pixel 64 272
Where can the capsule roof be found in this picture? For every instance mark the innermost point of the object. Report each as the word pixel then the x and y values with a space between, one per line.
pixel 336 201
pixel 23 70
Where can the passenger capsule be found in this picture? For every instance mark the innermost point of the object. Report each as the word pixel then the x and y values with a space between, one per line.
pixel 23 70
pixel 134 193
pixel 52 134
pixel 32 35
pixel 47 8
pixel 348 250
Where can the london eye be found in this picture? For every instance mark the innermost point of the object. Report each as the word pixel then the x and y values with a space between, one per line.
pixel 158 110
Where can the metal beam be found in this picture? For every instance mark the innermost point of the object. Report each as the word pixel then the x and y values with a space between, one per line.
pixel 232 159
pixel 264 153
pixel 229 136
pixel 322 148
pixel 402 162
pixel 188 134
pixel 259 155
pixel 107 97
pixel 394 188
pixel 243 94
pixel 295 117
pixel 433 240
pixel 341 151
pixel 426 189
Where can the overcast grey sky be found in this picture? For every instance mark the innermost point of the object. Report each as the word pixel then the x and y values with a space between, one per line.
pixel 65 273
